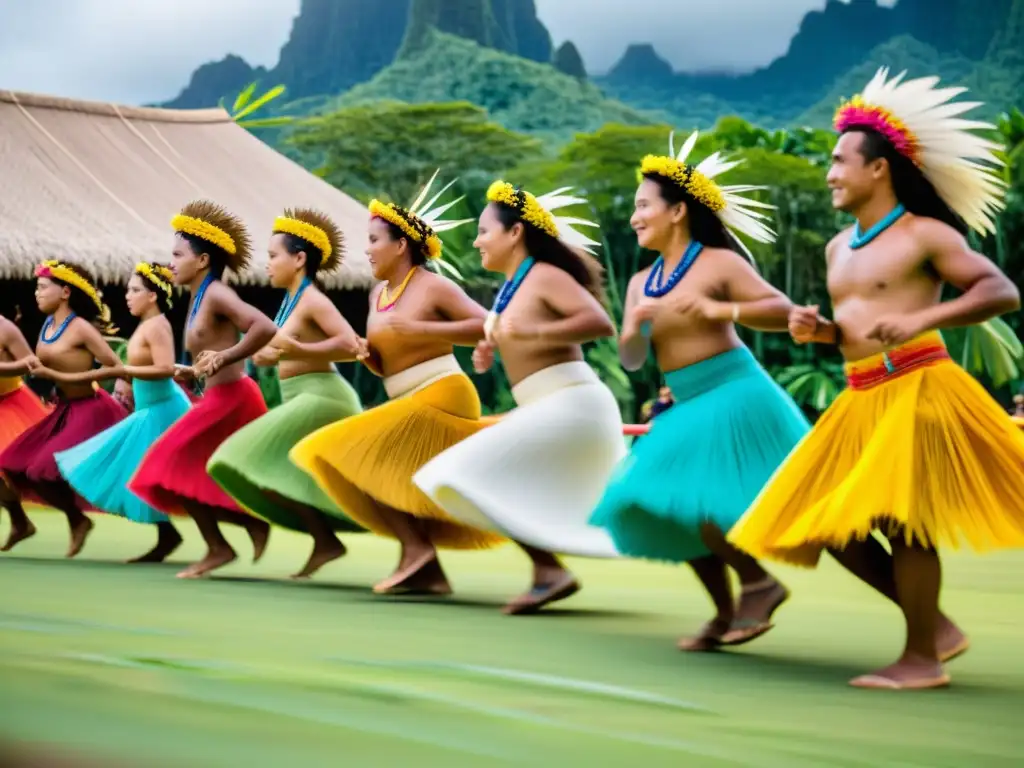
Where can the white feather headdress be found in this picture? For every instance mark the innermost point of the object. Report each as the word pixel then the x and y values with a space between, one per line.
pixel 925 125
pixel 421 221
pixel 539 212
pixel 738 213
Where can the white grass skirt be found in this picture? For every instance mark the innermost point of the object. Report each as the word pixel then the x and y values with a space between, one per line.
pixel 537 474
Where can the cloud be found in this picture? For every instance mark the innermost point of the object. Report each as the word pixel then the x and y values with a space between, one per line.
pixel 129 51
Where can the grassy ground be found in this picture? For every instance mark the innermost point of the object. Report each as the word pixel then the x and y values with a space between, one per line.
pixel 128 663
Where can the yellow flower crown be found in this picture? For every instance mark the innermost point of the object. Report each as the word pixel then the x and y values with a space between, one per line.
pixel 158 275
pixel 311 234
pixel 699 186
pixel 205 230
pixel 525 204
pixel 57 271
pixel 411 225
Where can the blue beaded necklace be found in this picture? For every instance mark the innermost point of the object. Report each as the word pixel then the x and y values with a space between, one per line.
pixel 289 303
pixel 505 294
pixel 859 239
pixel 59 332
pixel 509 287
pixel 656 286
pixel 198 300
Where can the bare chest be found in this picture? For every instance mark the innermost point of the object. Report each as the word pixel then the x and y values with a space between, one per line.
pixel 873 270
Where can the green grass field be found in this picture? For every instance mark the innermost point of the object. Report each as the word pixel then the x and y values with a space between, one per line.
pixel 248 669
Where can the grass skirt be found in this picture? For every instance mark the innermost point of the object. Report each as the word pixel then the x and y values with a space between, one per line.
pixel 922 445
pixel 100 468
pixel 536 475
pixel 705 459
pixel 29 459
pixel 19 410
pixel 369 459
pixel 174 469
pixel 255 459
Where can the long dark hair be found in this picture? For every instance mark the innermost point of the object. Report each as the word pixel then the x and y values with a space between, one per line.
pixel 705 227
pixel 909 184
pixel 82 304
pixel 581 266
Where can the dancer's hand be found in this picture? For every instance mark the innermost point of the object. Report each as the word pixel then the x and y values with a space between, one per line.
pixel 185 374
pixel 285 344
pixel 43 372
pixel 32 363
pixel 694 305
pixel 483 356
pixel 514 329
pixel 209 363
pixel 124 395
pixel 803 323
pixel 895 329
pixel 643 312
pixel 267 357
pixel 362 349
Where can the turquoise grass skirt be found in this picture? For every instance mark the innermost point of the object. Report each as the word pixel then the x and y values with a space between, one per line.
pixel 705 459
pixel 99 469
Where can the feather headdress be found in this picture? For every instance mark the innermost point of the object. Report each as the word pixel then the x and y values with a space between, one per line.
pixel 421 222
pixel 211 222
pixel 925 126
pixel 539 212
pixel 727 202
pixel 318 230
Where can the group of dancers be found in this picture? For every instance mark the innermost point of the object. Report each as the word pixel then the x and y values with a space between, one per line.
pixel 731 474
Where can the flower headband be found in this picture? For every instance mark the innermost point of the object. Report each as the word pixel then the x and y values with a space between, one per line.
pixel 420 222
pixel 54 270
pixel 538 212
pixel 158 275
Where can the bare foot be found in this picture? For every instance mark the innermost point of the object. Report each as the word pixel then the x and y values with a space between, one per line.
pixel 396 583
pixel 259 533
pixel 428 580
pixel 79 533
pixel 214 560
pixel 18 535
pixel 168 541
pixel 709 638
pixel 320 557
pixel 950 641
pixel 551 590
pixel 758 603
pixel 909 673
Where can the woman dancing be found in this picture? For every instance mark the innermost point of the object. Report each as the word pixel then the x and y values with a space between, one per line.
pixel 253 465
pixel 537 475
pixel 20 409
pixel 100 468
pixel 366 462
pixel 172 477
pixel 706 458
pixel 71 342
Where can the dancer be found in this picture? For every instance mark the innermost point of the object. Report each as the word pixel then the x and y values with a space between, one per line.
pixel 705 459
pixel 71 341
pixel 20 409
pixel 914 448
pixel 172 477
pixel 537 474
pixel 100 468
pixel 253 465
pixel 366 462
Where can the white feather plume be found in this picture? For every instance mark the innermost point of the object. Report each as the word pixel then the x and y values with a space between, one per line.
pixel 430 215
pixel 567 231
pixel 961 165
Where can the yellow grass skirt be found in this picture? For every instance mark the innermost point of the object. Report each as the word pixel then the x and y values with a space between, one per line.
pixel 369 459
pixel 914 441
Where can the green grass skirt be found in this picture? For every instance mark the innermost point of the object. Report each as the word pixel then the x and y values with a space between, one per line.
pixel 254 460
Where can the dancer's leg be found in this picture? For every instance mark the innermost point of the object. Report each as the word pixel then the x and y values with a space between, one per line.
pixel 219 552
pixel 418 568
pixel 714 575
pixel 258 530
pixel 552 582
pixel 59 495
pixel 21 527
pixel 326 545
pixel 167 540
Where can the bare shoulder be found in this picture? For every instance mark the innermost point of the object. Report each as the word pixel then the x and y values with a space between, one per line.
pixel 437 284
pixel 7 330
pixel 551 274
pixel 728 257
pixel 638 280
pixel 317 300
pixel 935 237
pixel 218 290
pixel 836 243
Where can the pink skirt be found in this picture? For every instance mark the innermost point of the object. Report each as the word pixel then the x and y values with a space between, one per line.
pixel 173 472
pixel 29 461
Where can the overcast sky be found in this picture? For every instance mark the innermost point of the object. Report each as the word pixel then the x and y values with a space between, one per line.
pixel 138 51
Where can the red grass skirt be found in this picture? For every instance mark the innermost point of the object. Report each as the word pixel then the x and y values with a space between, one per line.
pixel 28 460
pixel 174 469
pixel 19 410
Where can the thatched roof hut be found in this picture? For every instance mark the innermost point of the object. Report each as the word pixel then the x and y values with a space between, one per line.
pixel 98 183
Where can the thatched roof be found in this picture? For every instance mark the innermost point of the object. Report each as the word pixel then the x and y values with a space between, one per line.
pixel 99 183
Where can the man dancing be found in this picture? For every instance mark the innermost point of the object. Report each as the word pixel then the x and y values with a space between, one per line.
pixel 914 448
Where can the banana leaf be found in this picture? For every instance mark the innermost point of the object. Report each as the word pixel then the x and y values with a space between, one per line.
pixel 993 349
